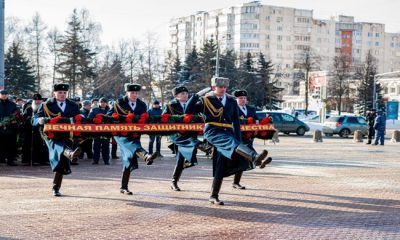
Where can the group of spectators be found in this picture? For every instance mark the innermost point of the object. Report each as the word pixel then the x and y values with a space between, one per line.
pixel 20 140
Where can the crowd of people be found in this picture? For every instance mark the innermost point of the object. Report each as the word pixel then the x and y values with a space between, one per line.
pixel 21 125
pixel 20 139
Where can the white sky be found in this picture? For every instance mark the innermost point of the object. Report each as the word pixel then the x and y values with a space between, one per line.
pixel 124 19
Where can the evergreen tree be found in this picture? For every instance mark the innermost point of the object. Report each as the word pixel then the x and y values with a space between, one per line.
pixel 175 71
pixel 76 60
pixel 228 68
pixel 365 89
pixel 267 94
pixel 245 75
pixel 207 57
pixel 19 74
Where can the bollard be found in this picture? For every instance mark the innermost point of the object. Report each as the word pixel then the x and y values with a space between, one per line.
pixel 358 137
pixel 317 136
pixel 395 136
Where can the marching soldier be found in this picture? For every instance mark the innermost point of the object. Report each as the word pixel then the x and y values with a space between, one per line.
pixel 185 144
pixel 222 130
pixel 60 152
pixel 8 129
pixel 245 111
pixel 130 146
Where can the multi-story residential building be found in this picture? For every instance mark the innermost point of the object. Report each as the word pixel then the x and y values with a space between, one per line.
pixel 283 35
pixel 392 52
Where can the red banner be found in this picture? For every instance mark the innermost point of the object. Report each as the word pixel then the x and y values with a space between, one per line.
pixel 159 127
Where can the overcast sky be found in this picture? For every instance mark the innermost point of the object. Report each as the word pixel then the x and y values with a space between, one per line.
pixel 124 19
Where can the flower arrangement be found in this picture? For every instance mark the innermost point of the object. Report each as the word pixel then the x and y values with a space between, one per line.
pixel 144 118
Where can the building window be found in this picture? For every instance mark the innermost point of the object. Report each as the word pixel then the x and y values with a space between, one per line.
pixel 279 19
pixel 279 38
pixel 370 34
pixel 376 34
pixel 377 44
pixel 279 28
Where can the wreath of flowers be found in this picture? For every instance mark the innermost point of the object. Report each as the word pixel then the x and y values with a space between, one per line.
pixel 145 118
pixel 257 134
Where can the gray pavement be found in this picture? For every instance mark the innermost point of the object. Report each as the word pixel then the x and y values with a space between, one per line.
pixel 331 190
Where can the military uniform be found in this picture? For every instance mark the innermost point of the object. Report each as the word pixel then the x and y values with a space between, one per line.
pixel 34 148
pixel 185 144
pixel 222 130
pixel 87 145
pixel 100 144
pixel 8 130
pixel 245 111
pixel 60 149
pixel 130 147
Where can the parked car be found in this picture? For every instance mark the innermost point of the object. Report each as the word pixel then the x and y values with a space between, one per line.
pixel 344 126
pixel 286 123
pixel 317 118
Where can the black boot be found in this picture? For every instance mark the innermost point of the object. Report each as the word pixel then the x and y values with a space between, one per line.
pixel 205 147
pixel 114 151
pixel 216 187
pixel 124 182
pixel 145 156
pixel 57 184
pixel 236 181
pixel 172 147
pixel 176 176
pixel 72 155
pixel 251 155
pixel 265 162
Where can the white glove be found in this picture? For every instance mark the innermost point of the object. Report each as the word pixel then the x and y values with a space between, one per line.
pixel 203 92
pixel 41 120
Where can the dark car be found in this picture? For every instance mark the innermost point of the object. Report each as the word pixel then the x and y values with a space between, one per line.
pixel 285 123
pixel 345 126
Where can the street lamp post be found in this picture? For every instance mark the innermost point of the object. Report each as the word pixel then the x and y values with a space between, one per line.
pixel 374 97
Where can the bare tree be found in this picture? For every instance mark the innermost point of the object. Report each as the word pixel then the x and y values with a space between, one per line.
pixel 13 32
pixel 308 63
pixel 36 33
pixel 53 40
pixel 148 62
pixel 339 87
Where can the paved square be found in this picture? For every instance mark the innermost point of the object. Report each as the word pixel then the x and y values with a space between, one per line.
pixel 331 190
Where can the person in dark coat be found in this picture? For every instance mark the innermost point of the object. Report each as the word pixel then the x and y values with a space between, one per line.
pixel 130 146
pixel 34 148
pixel 185 144
pixel 155 110
pixel 222 130
pixel 87 145
pixel 60 150
pixel 380 128
pixel 8 129
pixel 101 144
pixel 371 122
pixel 245 111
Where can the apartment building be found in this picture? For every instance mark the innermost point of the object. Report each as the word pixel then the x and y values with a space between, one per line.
pixel 283 35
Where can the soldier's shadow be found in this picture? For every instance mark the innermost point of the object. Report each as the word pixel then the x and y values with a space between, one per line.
pixel 282 214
